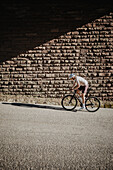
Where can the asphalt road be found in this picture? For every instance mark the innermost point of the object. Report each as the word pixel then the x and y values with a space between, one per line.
pixel 38 137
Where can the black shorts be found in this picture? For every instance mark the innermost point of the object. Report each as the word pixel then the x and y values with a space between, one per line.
pixel 82 88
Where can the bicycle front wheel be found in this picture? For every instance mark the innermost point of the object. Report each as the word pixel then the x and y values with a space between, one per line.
pixel 69 102
pixel 92 104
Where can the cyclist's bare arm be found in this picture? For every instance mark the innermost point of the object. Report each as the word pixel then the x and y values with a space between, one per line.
pixel 75 87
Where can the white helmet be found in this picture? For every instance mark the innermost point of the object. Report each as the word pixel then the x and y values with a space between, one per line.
pixel 71 76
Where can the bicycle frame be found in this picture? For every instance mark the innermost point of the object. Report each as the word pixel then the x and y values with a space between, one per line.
pixel 92 103
pixel 76 97
pixel 86 97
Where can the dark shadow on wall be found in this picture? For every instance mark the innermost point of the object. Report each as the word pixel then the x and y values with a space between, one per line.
pixel 25 25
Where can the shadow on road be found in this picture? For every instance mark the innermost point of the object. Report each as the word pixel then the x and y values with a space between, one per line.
pixel 36 106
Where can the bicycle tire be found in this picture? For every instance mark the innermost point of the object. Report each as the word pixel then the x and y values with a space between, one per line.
pixel 92 104
pixel 69 102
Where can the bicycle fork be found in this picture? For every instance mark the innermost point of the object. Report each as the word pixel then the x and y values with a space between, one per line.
pixel 71 98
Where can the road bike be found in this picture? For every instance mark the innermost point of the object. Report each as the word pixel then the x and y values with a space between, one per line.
pixel 69 102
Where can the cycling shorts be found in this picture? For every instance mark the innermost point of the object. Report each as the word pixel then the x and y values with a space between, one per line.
pixel 83 89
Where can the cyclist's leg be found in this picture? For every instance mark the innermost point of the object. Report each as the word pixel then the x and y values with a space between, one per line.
pixel 83 99
pixel 78 92
pixel 84 92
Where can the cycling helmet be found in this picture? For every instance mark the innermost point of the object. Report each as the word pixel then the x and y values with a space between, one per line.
pixel 71 76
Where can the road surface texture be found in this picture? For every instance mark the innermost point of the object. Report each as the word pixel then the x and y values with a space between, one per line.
pixel 38 137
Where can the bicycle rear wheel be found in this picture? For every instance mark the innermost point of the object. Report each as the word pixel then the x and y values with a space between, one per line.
pixel 69 102
pixel 92 104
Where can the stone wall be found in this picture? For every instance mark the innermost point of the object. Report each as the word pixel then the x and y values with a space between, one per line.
pixel 42 72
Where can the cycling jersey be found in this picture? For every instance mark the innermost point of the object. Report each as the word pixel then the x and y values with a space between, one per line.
pixel 81 81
